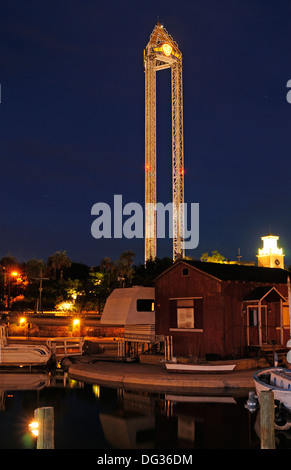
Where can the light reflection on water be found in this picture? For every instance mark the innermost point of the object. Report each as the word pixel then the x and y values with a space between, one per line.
pixel 91 417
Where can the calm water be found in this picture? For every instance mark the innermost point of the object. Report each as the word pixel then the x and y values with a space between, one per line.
pixel 91 417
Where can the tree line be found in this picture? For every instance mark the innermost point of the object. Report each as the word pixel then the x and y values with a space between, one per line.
pixel 62 284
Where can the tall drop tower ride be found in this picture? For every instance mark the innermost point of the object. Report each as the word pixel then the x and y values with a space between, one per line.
pixel 161 53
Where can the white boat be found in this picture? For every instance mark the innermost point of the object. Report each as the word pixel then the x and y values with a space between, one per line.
pixel 21 354
pixel 277 379
pixel 200 368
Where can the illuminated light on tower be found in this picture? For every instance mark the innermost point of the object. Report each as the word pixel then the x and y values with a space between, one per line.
pixel 167 49
pixel 270 256
pixel 161 53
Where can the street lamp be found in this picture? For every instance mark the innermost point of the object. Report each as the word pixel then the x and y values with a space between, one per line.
pixel 76 322
pixel 7 281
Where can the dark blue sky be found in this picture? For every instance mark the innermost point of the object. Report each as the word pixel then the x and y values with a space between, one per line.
pixel 72 121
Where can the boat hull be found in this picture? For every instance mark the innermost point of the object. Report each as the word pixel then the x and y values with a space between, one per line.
pixel 283 395
pixel 24 355
pixel 200 368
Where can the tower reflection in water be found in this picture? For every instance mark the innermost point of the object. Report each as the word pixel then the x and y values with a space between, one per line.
pixel 144 420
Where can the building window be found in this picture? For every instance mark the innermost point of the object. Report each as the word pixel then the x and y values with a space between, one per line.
pixel 185 317
pixel 186 314
pixel 185 272
pixel 253 317
pixel 145 305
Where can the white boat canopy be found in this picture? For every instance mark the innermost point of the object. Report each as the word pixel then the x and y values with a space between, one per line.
pixel 130 306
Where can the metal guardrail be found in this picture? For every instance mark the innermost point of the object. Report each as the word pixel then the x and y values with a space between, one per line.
pixel 65 346
pixel 50 313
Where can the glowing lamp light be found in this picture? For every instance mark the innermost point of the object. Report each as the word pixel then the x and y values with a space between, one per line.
pixel 65 306
pixel 22 321
pixel 96 390
pixel 14 273
pixel 34 428
pixel 270 246
pixel 76 322
pixel 167 49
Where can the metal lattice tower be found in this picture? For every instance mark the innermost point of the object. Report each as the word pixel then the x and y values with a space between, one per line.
pixel 161 53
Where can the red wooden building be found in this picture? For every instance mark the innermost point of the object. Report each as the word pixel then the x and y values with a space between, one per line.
pixel 221 309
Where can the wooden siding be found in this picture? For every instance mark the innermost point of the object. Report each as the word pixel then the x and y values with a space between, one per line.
pixel 196 285
pixel 223 321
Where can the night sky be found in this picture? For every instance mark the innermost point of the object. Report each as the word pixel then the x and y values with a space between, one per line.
pixel 72 122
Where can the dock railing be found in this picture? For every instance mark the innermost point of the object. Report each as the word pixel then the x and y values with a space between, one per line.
pixel 66 346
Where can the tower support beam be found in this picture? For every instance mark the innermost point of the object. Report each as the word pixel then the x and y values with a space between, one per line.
pixel 150 159
pixel 162 52
pixel 177 160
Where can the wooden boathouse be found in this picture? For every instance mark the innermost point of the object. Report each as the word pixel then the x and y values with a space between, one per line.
pixel 215 310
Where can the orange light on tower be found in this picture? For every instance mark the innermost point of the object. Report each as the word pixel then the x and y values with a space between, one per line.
pixel 167 49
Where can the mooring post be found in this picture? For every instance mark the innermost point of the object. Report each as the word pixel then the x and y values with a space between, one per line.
pixel 267 419
pixel 45 419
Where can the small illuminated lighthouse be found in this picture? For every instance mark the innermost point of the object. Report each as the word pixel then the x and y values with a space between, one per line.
pixel 270 256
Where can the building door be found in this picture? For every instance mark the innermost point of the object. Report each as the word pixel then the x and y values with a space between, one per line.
pixel 265 324
pixel 252 325
pixel 271 323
